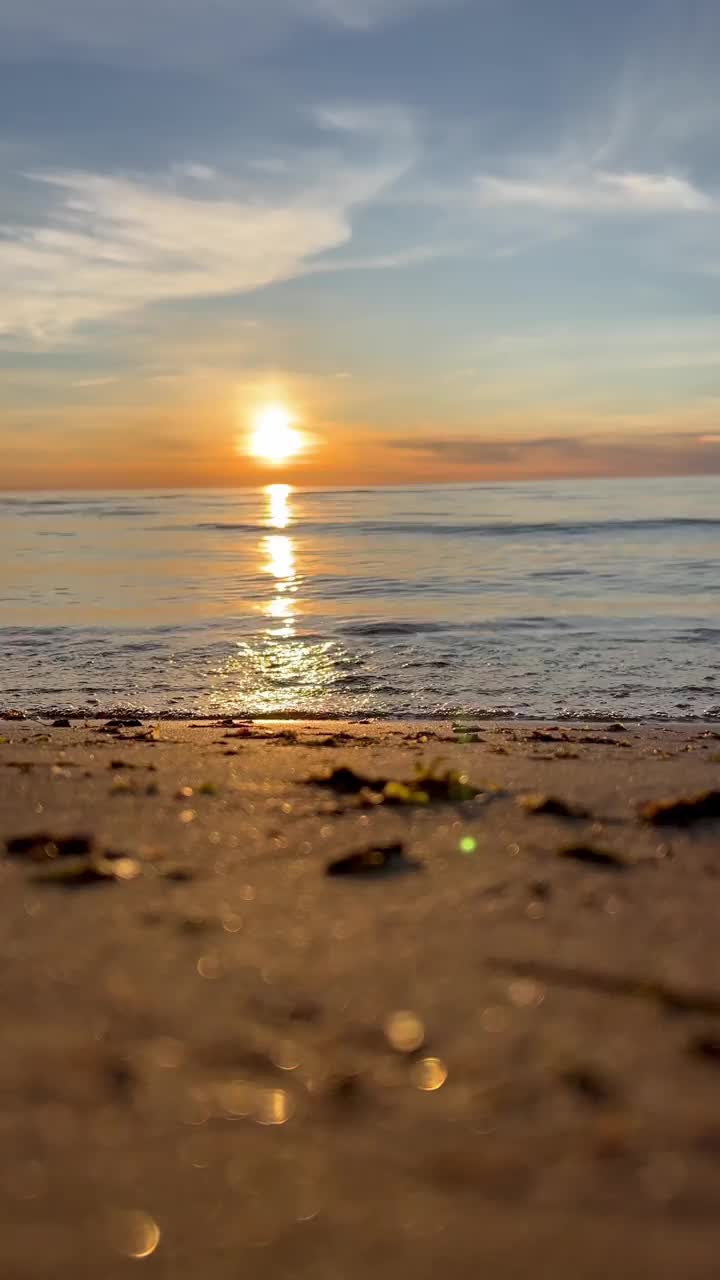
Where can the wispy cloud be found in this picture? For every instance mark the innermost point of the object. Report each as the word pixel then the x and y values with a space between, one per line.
pixel 473 450
pixel 598 193
pixel 86 384
pixel 672 453
pixel 113 244
pixel 107 244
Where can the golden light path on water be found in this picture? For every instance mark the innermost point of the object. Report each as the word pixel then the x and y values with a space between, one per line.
pixel 281 559
pixel 278 496
pixel 270 672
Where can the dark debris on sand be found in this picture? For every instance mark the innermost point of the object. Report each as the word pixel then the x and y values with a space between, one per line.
pixel 383 860
pixel 70 861
pixel 426 787
pixel 682 811
pixel 41 846
pixel 590 856
pixel 590 1084
pixel 672 998
pixel 539 803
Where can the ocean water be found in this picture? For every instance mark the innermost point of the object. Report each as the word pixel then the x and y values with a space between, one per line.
pixel 552 599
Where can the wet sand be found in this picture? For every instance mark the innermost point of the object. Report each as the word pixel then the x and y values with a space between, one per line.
pixel 496 1046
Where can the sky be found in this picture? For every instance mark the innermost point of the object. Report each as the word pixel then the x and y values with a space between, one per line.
pixel 457 239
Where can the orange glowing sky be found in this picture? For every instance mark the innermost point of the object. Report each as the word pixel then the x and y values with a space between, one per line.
pixel 294 431
pixel 448 240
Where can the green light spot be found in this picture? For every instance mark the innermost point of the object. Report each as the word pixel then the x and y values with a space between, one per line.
pixel 468 844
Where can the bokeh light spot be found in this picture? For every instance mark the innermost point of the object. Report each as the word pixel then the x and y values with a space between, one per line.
pixel 430 1074
pixel 404 1031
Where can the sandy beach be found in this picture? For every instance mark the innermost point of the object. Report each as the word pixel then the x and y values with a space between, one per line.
pixel 489 1038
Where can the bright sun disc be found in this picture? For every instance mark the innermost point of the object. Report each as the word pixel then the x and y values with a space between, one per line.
pixel 273 438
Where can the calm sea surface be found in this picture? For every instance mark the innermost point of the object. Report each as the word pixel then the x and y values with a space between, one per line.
pixel 550 599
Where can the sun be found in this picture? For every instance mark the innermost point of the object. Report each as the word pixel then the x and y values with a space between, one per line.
pixel 274 438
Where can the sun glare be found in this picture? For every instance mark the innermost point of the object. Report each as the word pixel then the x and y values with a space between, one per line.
pixel 274 438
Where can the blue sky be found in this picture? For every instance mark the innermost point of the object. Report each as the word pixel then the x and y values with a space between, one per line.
pixel 456 238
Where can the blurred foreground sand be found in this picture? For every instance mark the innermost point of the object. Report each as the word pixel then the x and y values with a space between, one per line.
pixel 506 1061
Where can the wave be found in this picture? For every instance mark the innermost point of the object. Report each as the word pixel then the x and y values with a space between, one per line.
pixel 393 627
pixel 196 710
pixel 496 529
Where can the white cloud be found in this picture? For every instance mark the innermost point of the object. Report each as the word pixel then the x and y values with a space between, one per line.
pixel 596 193
pixel 114 244
pixel 197 172
pixel 107 244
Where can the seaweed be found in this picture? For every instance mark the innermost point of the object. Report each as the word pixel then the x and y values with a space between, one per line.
pixel 347 782
pixel 116 765
pixel 91 869
pixel 600 741
pixel 41 846
pixel 601 859
pixel 72 860
pixel 381 860
pixel 465 733
pixel 114 726
pixel 336 740
pixel 537 803
pixel 426 787
pixel 682 811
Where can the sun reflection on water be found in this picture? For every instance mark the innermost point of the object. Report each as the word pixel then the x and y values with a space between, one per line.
pixel 278 496
pixel 279 549
pixel 281 563
pixel 279 668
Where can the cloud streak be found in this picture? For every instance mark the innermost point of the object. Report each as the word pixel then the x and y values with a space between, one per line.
pixel 106 245
pixel 113 245
pixel 672 453
pixel 597 193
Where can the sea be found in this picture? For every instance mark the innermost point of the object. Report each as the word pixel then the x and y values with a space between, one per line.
pixel 555 599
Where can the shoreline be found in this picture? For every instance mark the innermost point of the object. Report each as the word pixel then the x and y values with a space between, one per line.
pixel 489 1037
pixel 487 717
